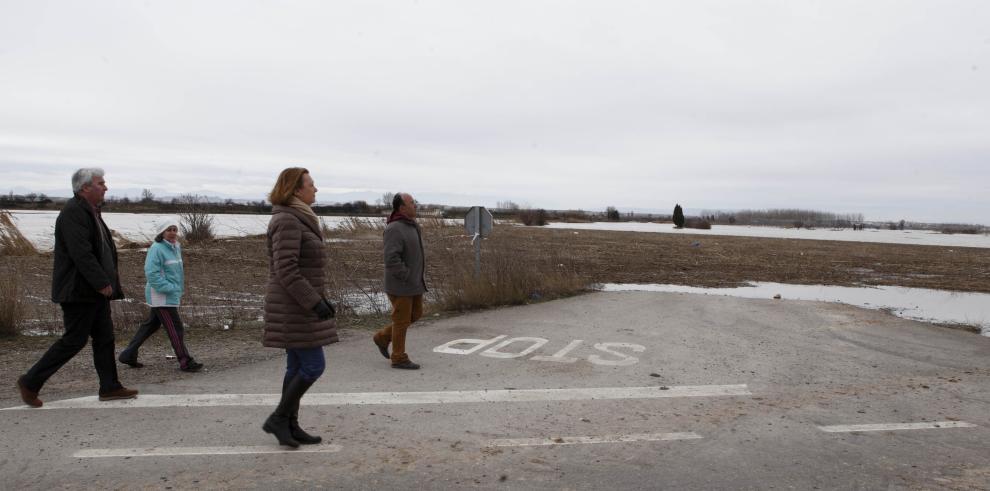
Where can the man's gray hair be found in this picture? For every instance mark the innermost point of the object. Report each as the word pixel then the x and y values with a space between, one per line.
pixel 85 176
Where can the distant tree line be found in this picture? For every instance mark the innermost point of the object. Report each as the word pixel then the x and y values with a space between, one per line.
pixel 149 203
pixel 784 217
pixel 31 200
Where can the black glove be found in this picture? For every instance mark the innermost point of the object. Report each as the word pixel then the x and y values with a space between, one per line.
pixel 324 310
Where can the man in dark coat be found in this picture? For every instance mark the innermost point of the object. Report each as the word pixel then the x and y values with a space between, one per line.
pixel 405 280
pixel 84 281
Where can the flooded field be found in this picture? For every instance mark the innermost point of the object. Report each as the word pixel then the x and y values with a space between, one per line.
pixel 913 237
pixel 944 307
pixel 39 226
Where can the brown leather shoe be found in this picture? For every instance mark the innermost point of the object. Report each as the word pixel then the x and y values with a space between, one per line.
pixel 29 396
pixel 121 393
pixel 406 365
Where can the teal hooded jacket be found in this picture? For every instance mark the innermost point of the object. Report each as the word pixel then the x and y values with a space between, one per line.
pixel 166 279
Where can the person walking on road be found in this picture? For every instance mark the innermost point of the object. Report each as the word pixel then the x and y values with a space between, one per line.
pixel 84 281
pixel 298 318
pixel 163 291
pixel 405 280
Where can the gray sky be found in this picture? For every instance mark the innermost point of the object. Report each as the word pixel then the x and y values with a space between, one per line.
pixel 879 107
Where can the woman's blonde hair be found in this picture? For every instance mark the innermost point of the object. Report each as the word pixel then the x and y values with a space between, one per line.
pixel 289 180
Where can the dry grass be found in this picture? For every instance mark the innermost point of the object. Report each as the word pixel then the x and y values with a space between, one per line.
pixel 512 273
pixel 125 243
pixel 11 305
pixel 351 290
pixel 12 241
pixel 354 226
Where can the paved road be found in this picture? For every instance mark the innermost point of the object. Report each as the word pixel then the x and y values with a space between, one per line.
pixel 607 390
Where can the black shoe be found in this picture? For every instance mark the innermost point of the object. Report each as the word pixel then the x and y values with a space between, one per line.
pixel 131 363
pixel 192 366
pixel 278 425
pixel 382 349
pixel 300 435
pixel 406 365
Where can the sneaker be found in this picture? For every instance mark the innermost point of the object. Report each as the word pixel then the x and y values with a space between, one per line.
pixel 131 363
pixel 29 396
pixel 121 393
pixel 406 365
pixel 192 366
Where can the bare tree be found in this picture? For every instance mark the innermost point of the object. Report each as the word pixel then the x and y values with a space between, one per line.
pixel 195 222
pixel 147 196
pixel 386 199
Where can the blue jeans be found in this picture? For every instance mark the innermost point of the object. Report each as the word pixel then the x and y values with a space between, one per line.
pixel 307 362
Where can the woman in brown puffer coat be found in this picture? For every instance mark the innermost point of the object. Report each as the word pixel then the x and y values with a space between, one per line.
pixel 297 316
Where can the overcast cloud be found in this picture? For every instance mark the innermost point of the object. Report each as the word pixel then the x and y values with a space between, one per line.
pixel 874 107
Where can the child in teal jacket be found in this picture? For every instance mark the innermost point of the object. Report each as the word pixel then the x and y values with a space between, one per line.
pixel 163 292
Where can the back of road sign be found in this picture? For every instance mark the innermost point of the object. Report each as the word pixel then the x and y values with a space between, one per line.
pixel 478 221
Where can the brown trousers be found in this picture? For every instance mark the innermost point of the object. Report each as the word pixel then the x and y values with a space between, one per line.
pixel 405 311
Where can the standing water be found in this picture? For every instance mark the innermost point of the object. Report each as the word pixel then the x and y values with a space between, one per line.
pixel 971 309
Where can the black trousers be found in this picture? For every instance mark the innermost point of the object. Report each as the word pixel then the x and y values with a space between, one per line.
pixel 82 320
pixel 160 316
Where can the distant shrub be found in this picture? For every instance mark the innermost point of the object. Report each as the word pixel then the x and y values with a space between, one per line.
pixel 532 217
pixel 698 223
pixel 678 216
pixel 196 226
pixel 961 229
pixel 612 214
pixel 194 221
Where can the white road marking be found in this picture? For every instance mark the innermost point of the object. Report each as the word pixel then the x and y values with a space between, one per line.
pixel 577 440
pixel 896 426
pixel 376 398
pixel 184 451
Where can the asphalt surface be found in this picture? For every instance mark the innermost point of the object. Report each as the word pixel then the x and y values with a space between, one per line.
pixel 663 391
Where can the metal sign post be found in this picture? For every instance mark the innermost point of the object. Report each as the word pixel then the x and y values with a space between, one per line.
pixel 478 222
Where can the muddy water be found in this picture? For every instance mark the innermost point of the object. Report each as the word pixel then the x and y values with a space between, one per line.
pixel 971 309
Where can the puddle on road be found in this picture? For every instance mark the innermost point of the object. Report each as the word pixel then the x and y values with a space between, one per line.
pixel 971 309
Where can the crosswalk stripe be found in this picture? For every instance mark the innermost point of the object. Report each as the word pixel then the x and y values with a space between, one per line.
pixel 187 451
pixel 577 440
pixel 896 426
pixel 380 398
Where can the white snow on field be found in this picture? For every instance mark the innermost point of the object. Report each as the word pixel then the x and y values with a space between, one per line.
pixel 39 226
pixel 916 237
pixel 971 309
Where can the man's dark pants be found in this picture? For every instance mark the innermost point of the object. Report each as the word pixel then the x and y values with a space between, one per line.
pixel 83 320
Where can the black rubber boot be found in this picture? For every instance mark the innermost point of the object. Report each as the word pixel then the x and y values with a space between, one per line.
pixel 278 423
pixel 297 384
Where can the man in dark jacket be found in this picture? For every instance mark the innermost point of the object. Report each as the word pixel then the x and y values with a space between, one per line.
pixel 405 281
pixel 84 281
